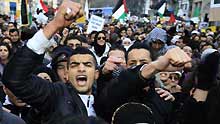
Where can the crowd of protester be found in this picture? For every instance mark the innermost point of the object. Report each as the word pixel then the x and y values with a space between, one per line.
pixel 135 72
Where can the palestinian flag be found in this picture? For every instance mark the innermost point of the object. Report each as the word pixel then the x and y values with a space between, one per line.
pixel 172 18
pixel 161 10
pixel 120 11
pixel 42 5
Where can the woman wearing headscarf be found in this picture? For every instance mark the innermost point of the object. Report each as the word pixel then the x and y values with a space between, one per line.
pixel 101 46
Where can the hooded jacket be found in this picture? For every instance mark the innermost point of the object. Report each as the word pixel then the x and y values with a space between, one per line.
pixel 157 34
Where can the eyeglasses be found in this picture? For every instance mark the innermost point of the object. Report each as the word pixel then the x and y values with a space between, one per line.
pixel 99 38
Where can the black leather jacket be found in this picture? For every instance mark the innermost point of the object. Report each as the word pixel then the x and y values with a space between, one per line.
pixel 53 100
pixel 57 100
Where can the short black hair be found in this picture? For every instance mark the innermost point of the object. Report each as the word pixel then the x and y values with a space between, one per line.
pixel 130 28
pixel 203 34
pixel 123 29
pixel 82 50
pixel 83 38
pixel 201 46
pixel 13 30
pixel 208 29
pixel 93 32
pixel 13 23
pixel 117 47
pixel 71 36
pixel 45 69
pixel 27 33
pixel 136 45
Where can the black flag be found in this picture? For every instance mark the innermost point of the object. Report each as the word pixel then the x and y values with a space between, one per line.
pixel 24 14
pixel 117 6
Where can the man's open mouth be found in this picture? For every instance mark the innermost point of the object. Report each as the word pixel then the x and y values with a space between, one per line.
pixel 81 80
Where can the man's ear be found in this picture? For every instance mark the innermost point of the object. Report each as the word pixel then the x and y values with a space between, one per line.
pixel 96 74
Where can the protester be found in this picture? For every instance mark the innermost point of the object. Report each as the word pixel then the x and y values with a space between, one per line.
pixel 15 38
pixel 45 73
pixel 7 40
pixel 128 72
pixel 100 47
pixel 60 57
pixel 202 107
pixel 5 54
pixel 82 72
pixel 126 42
pixel 156 41
pixel 73 41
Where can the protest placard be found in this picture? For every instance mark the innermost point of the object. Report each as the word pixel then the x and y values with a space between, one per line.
pixel 96 23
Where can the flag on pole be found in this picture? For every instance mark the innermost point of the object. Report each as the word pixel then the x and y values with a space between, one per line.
pixel 86 9
pixel 43 6
pixel 161 10
pixel 120 11
pixel 30 17
pixel 24 13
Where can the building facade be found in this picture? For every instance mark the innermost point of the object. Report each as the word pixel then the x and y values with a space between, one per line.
pixel 200 8
pixel 184 9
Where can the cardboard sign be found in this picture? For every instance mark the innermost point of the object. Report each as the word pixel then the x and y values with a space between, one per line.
pixel 96 23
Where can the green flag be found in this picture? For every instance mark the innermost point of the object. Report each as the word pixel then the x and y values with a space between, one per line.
pixel 197 12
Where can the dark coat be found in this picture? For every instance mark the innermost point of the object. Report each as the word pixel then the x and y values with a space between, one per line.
pixel 19 111
pixel 207 112
pixel 57 100
pixel 128 87
pixel 53 100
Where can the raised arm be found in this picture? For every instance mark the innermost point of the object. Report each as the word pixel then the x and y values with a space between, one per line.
pixel 174 60
pixel 17 74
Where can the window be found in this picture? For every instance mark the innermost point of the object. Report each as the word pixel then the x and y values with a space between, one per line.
pixel 216 1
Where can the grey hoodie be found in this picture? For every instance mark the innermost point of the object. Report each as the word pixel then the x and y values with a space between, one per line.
pixel 157 34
